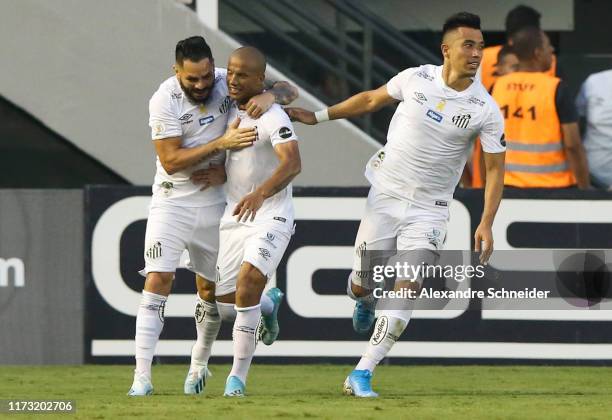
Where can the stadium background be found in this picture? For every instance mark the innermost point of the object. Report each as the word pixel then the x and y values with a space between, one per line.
pixel 74 86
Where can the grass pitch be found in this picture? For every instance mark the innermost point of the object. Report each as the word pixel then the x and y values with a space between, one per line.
pixel 314 391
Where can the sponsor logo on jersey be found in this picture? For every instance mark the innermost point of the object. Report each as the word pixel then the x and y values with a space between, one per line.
pixel 280 219
pixel 264 253
pixel 502 140
pixel 285 132
pixel 475 100
pixel 424 75
pixel 186 119
pixel 382 325
pixel 225 105
pixel 419 98
pixel 461 121
pixel 206 120
pixel 434 115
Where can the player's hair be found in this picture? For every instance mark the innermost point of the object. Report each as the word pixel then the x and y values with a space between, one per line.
pixel 521 17
pixel 526 41
pixel 461 20
pixel 193 49
pixel 504 51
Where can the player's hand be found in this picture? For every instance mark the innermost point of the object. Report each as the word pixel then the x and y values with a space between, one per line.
pixel 236 138
pixel 248 206
pixel 213 175
pixel 259 104
pixel 301 115
pixel 483 242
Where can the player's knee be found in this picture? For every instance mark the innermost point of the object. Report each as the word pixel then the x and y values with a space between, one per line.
pixel 206 289
pixel 159 283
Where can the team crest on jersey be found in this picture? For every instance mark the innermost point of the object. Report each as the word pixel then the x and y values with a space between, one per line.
pixel 225 105
pixel 461 121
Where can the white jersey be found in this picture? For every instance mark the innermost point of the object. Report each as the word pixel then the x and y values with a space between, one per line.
pixel 250 167
pixel 171 114
pixel 430 136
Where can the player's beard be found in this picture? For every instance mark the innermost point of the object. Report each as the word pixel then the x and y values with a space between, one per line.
pixel 189 93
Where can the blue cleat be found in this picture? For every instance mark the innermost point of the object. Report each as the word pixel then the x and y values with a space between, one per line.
pixel 269 327
pixel 233 387
pixel 195 382
pixel 358 384
pixel 141 387
pixel 363 316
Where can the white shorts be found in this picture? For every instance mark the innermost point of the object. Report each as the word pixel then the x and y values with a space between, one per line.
pixel 263 246
pixel 172 229
pixel 390 223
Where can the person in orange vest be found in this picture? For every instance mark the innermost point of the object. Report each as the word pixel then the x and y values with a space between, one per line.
pixel 541 124
pixel 518 18
pixel 507 62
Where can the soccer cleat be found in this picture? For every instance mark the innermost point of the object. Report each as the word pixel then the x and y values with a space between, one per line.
pixel 233 387
pixel 358 384
pixel 269 328
pixel 141 387
pixel 363 316
pixel 195 382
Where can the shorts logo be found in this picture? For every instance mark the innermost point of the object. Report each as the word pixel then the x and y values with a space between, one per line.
pixel 502 140
pixel 264 253
pixel 270 236
pixel 441 203
pixel 280 219
pixel 186 119
pixel 199 313
pixel 285 132
pixel 206 120
pixel 225 105
pixel 461 121
pixel 434 237
pixel 434 115
pixel 155 251
pixel 380 331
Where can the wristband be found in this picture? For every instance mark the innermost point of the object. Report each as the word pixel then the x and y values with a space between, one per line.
pixel 322 115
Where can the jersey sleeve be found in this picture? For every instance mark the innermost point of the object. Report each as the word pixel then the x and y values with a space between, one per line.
pixel 280 128
pixel 565 107
pixel 492 131
pixel 163 120
pixel 397 82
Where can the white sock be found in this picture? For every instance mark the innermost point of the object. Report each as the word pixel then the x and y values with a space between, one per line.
pixel 245 336
pixel 386 332
pixel 208 323
pixel 149 325
pixel 226 311
pixel 267 305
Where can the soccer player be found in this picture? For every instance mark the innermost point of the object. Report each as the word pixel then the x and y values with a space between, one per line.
pixel 258 220
pixel 189 122
pixel 441 110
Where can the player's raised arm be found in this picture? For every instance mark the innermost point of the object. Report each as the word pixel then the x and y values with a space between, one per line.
pixel 359 104
pixel 175 158
pixel 289 167
pixel 282 93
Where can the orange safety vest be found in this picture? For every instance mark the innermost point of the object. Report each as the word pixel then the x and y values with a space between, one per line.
pixel 535 157
pixel 477 175
pixel 487 66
